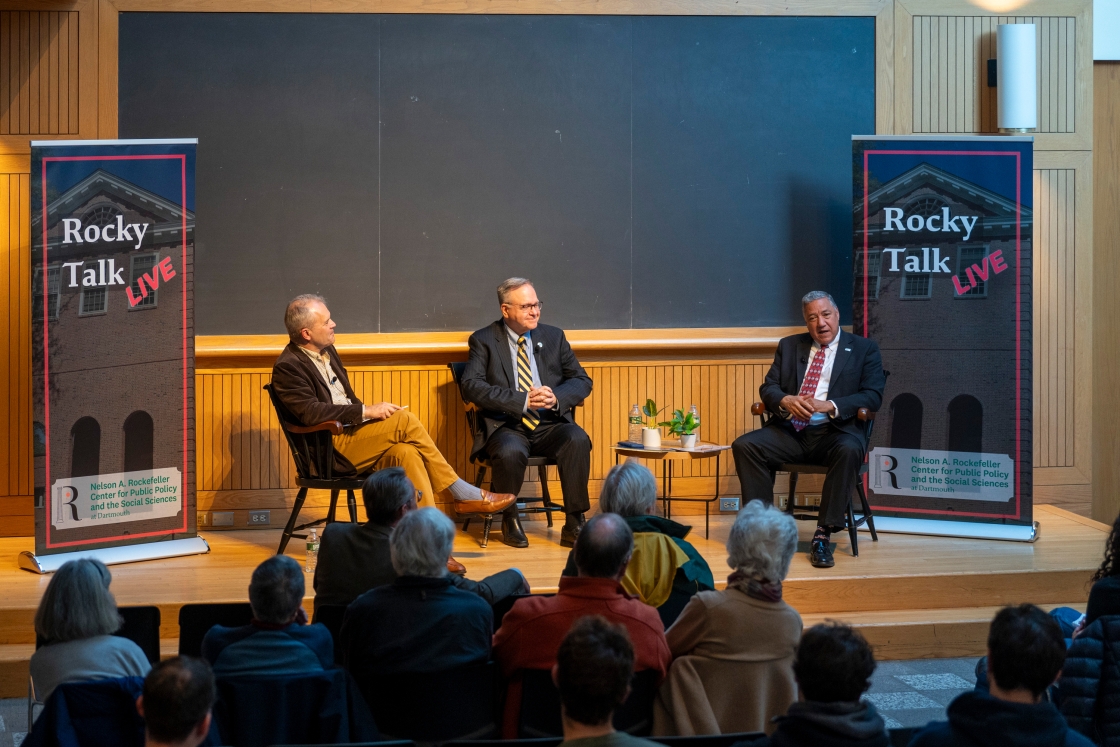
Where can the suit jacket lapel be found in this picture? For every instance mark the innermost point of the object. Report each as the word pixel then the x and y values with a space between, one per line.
pixel 502 338
pixel 843 355
pixel 803 347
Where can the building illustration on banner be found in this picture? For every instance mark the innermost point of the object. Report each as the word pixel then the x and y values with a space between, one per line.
pixel 943 303
pixel 112 298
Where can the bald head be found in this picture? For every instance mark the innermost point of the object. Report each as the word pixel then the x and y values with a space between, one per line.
pixel 604 547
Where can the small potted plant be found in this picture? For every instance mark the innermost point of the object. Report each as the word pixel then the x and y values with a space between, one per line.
pixel 684 425
pixel 651 432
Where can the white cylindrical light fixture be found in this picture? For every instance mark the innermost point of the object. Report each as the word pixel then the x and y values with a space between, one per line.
pixel 1017 77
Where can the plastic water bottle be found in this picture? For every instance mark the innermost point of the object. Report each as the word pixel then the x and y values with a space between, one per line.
pixel 696 414
pixel 312 552
pixel 634 434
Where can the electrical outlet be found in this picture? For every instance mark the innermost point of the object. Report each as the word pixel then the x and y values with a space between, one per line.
pixel 221 519
pixel 729 504
pixel 259 518
pixel 201 518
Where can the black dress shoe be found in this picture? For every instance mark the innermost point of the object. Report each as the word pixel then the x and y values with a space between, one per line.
pixel 512 533
pixel 573 525
pixel 820 554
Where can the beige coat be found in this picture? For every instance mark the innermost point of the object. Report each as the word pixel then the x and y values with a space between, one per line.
pixel 732 666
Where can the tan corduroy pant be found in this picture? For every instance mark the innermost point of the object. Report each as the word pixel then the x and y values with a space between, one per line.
pixel 399 441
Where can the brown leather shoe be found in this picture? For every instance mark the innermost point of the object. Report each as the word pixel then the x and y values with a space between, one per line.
pixel 454 566
pixel 491 503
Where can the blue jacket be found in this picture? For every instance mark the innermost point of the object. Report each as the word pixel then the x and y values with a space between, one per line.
pixel 977 719
pixel 1089 691
pixel 415 625
pixel 91 714
pixel 260 650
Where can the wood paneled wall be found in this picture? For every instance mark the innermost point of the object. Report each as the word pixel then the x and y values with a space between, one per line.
pixel 1106 299
pixel 58 68
pixel 241 447
pixel 951 92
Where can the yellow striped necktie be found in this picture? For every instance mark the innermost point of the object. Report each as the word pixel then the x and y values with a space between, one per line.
pixel 525 381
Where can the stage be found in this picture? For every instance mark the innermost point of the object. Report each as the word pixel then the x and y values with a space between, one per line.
pixel 912 596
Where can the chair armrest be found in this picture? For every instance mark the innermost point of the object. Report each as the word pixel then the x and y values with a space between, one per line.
pixel 865 415
pixel 758 409
pixel 334 426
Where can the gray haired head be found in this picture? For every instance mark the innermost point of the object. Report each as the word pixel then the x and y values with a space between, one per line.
pixel 762 542
pixel 629 490
pixel 421 543
pixel 811 296
pixel 276 590
pixel 508 286
pixel 300 314
pixel 77 603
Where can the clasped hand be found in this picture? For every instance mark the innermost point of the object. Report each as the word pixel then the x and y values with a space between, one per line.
pixel 541 398
pixel 803 406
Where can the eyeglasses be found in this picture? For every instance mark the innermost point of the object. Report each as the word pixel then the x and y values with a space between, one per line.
pixel 526 306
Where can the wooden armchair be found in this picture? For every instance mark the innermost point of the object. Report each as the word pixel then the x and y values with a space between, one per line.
pixel 313 452
pixel 807 513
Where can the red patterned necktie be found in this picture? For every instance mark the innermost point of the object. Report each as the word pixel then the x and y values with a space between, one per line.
pixel 809 385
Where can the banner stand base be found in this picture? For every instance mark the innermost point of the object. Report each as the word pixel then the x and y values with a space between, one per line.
pixel 963 529
pixel 115 555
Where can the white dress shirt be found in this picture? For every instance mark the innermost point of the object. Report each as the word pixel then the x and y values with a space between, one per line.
pixel 823 381
pixel 323 363
pixel 532 360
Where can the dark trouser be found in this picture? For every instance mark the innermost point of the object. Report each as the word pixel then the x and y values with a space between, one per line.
pixel 493 589
pixel 510 447
pixel 757 453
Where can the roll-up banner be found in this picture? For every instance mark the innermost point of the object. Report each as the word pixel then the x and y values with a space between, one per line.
pixel 113 347
pixel 942 270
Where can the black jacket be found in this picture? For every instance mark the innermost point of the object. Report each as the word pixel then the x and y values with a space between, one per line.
pixel 1089 690
pixel 830 725
pixel 300 387
pixel 857 378
pixel 354 558
pixel 977 719
pixel 490 384
pixel 415 625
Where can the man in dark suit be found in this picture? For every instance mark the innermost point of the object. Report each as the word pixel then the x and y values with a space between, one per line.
pixel 818 382
pixel 354 558
pixel 526 381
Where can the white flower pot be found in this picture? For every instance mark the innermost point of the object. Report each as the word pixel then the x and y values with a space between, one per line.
pixel 651 438
pixel 688 441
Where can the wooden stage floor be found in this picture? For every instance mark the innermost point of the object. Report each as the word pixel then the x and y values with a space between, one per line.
pixel 913 596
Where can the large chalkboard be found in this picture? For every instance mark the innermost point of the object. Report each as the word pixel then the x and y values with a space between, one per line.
pixel 644 171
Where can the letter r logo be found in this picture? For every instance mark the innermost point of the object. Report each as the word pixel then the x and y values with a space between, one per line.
pixel 886 464
pixel 68 494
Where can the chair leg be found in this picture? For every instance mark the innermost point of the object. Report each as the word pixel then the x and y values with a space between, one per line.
pixel 867 510
pixel 792 500
pixel 486 522
pixel 301 496
pixel 480 477
pixel 466 524
pixel 352 504
pixel 334 505
pixel 542 473
pixel 852 529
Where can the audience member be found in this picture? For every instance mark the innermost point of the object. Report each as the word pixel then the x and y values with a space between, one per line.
pixel 421 622
pixel 278 642
pixel 178 696
pixel 833 668
pixel 75 622
pixel 534 627
pixel 1025 655
pixel 1089 689
pixel 354 558
pixel 594 665
pixel 665 570
pixel 1104 596
pixel 734 649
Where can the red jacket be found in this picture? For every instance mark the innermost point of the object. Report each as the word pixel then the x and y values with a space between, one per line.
pixel 532 630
